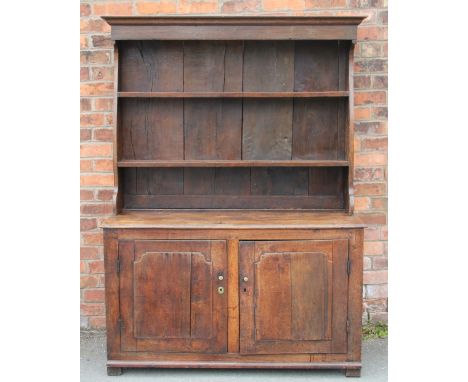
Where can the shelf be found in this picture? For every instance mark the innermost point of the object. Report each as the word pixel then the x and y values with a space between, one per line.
pixel 330 94
pixel 233 163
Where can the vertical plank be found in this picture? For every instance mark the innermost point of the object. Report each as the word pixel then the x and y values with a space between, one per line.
pixel 316 129
pixel 218 252
pixel 204 65
pixel 199 181
pixel 233 66
pixel 162 295
pixel 201 303
pixel 151 129
pixel 340 296
pixel 309 273
pixel 151 66
pixel 166 181
pixel 268 66
pixel 273 302
pixel 326 181
pixel 118 202
pixel 233 296
pixel 112 292
pixel 316 66
pixel 213 128
pixel 350 133
pixel 267 129
pixel 126 256
pixel 279 181
pixel 232 181
pixel 246 297
pixel 129 180
pixel 355 295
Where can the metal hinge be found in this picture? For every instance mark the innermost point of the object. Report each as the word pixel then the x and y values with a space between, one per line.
pixel 117 265
pixel 347 326
pixel 348 266
pixel 120 323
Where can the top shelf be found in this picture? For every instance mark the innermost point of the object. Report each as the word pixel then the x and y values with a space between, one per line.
pixel 328 94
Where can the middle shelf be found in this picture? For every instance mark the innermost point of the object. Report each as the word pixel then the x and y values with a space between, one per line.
pixel 232 163
pixel 320 94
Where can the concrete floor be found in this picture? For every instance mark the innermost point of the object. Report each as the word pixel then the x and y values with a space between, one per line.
pixel 93 369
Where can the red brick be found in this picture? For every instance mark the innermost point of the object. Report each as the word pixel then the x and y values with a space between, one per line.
pixel 86 165
pixel 380 82
pixel 325 3
pixel 277 5
pixel 235 6
pixel 105 195
pixel 92 238
pixel 375 277
pixel 372 33
pixel 89 281
pixel 83 267
pixel 104 104
pixel 86 195
pixel 102 74
pixel 384 233
pixel 83 41
pixel 96 266
pixel 197 6
pixel 154 8
pixel 380 262
pixel 95 57
pixel 371 65
pixel 97 322
pixel 85 104
pixel 361 203
pixel 96 150
pixel 84 74
pixel 370 189
pixel 97 180
pixel 368 173
pixel 377 291
pixel 378 317
pixel 85 10
pixel 88 224
pixel 362 82
pixel 96 209
pixel 379 204
pixel 92 309
pixel 362 113
pixel 370 159
pixel 94 295
pixel 380 112
pixel 372 233
pixel 99 88
pixel 370 49
pixel 374 144
pixel 366 98
pixel 112 9
pixel 382 17
pixel 85 135
pixel 88 120
pixel 106 135
pixel 374 218
pixel 103 165
pixel 373 248
pixel 89 253
pixel 94 25
pixel 371 128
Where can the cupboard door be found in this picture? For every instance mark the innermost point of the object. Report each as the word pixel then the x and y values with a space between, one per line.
pixel 169 299
pixel 293 296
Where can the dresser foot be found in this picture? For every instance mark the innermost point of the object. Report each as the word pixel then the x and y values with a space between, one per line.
pixel 114 371
pixel 353 372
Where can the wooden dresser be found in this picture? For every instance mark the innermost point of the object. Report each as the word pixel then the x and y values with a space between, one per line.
pixel 234 243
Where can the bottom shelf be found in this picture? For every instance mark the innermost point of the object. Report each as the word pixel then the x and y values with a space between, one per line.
pixel 315 188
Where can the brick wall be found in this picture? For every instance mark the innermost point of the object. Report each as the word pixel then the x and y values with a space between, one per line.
pixel 96 76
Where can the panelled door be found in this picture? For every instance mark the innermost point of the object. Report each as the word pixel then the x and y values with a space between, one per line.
pixel 293 296
pixel 172 297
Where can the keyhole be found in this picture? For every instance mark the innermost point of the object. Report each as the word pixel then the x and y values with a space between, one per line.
pixel 245 289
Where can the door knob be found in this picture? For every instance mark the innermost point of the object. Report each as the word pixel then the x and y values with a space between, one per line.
pixel 245 279
pixel 220 290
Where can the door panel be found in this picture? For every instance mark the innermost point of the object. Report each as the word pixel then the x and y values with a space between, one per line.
pixel 295 298
pixel 169 300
